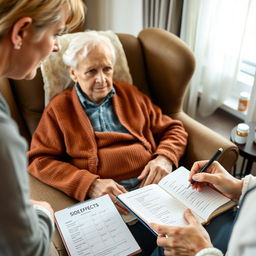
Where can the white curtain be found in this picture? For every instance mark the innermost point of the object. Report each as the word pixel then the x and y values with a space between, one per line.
pixel 214 30
pixel 251 116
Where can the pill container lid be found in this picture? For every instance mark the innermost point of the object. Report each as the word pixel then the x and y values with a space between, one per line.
pixel 244 96
pixel 243 127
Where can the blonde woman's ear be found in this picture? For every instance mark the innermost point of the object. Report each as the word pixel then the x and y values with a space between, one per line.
pixel 19 31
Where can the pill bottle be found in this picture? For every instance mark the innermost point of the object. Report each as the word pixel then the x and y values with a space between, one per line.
pixel 243 101
pixel 242 131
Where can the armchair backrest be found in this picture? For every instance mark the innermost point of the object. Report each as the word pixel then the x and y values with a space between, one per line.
pixel 169 65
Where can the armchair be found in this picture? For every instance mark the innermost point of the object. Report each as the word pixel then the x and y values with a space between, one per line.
pixel 161 66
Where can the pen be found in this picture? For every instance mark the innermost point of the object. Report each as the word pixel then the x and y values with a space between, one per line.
pixel 204 168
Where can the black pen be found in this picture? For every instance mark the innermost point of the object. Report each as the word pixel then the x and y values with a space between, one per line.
pixel 204 168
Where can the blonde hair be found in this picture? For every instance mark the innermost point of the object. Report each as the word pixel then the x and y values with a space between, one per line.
pixel 42 12
pixel 82 44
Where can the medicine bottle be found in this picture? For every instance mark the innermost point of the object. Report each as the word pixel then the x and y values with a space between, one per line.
pixel 242 131
pixel 243 101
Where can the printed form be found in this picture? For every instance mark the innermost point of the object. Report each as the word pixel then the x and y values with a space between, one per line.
pixel 95 227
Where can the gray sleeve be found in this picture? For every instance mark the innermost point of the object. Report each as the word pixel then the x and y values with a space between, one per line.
pixel 23 230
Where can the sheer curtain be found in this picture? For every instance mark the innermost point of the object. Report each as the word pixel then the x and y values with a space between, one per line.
pixel 251 116
pixel 165 14
pixel 214 30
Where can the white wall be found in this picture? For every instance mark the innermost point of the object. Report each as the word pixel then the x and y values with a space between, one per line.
pixel 120 16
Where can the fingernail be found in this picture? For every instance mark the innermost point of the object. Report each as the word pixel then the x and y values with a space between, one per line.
pixel 195 177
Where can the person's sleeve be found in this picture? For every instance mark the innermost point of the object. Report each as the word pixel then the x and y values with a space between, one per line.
pixel 49 162
pixel 209 252
pixel 169 134
pixel 23 231
pixel 242 241
pixel 248 182
pixel 44 215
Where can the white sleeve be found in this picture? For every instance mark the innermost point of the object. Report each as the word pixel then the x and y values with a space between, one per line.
pixel 210 252
pixel 242 241
pixel 248 182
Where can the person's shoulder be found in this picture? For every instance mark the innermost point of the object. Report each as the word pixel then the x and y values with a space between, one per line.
pixel 121 84
pixel 132 92
pixel 126 87
pixel 61 99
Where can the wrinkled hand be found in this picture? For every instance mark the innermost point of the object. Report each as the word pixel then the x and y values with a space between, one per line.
pixel 185 241
pixel 44 204
pixel 155 170
pixel 217 177
pixel 102 187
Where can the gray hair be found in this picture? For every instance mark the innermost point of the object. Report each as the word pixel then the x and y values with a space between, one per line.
pixel 83 44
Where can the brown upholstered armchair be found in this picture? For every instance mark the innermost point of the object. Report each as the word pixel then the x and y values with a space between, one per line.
pixel 161 65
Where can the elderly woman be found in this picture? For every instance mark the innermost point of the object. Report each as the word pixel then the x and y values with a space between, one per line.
pixel 28 34
pixel 102 137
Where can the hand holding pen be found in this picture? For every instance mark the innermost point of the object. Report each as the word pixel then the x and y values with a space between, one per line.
pixel 208 163
pixel 217 177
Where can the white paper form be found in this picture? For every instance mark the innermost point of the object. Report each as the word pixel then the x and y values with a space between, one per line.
pixel 153 204
pixel 95 228
pixel 202 203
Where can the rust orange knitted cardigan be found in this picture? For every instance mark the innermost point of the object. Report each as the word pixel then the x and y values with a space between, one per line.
pixel 67 154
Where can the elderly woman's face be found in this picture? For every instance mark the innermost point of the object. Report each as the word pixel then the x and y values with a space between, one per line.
pixel 94 73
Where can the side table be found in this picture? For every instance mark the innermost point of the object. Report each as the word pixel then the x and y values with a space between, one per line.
pixel 247 150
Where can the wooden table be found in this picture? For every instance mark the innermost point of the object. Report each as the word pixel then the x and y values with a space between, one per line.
pixel 247 150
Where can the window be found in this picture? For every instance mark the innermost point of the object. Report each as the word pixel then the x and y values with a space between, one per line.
pixel 222 36
pixel 246 74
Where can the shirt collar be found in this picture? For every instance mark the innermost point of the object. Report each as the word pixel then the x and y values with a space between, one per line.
pixel 88 103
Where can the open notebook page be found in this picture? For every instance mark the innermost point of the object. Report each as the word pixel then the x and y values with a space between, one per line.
pixel 153 204
pixel 202 203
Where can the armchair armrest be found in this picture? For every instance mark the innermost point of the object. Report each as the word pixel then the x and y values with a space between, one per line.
pixel 58 200
pixel 203 142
